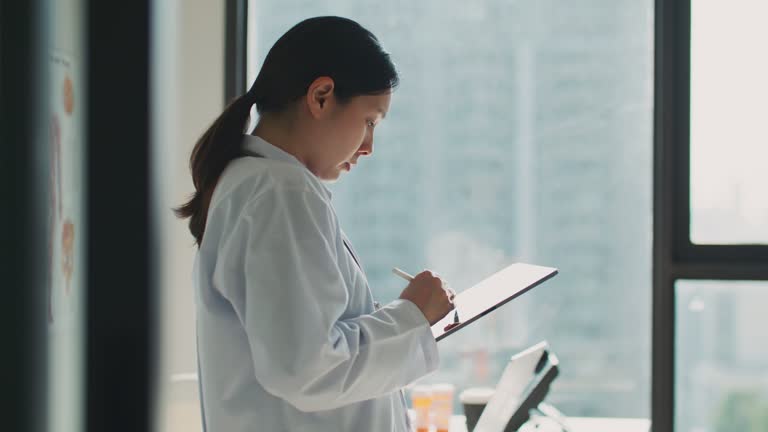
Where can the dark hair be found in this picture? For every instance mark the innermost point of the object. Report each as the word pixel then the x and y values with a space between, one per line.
pixel 335 47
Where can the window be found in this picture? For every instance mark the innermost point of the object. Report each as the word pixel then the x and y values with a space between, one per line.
pixel 721 356
pixel 729 140
pixel 709 256
pixel 522 131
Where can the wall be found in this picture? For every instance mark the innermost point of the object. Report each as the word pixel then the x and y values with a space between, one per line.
pixel 188 77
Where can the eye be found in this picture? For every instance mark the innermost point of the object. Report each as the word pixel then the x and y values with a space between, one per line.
pixel 371 124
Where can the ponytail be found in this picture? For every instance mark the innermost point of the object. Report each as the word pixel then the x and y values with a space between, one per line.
pixel 220 144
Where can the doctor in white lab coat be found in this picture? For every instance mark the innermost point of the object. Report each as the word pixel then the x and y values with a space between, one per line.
pixel 289 336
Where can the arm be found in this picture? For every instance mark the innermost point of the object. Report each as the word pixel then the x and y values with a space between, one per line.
pixel 294 295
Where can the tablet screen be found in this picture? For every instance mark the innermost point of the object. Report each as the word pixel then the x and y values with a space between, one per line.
pixel 491 293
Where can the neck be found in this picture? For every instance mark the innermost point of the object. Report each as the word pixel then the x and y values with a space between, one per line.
pixel 280 134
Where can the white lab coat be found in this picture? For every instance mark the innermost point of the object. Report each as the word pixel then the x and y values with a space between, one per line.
pixel 289 338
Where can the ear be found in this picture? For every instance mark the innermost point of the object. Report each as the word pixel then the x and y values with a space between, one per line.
pixel 320 96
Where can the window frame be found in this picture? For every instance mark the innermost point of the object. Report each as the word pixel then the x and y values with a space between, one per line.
pixel 675 257
pixel 121 278
pixel 235 49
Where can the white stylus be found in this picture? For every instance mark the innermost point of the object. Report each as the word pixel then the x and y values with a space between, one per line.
pixel 402 274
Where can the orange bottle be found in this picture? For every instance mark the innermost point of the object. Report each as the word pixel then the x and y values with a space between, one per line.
pixel 421 399
pixel 442 406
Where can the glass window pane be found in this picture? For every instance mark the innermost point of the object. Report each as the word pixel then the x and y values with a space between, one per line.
pixel 521 131
pixel 721 356
pixel 729 140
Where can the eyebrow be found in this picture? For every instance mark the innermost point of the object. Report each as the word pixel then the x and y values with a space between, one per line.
pixel 383 113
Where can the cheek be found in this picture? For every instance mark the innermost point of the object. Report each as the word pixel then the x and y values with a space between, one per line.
pixel 354 134
pixel 354 126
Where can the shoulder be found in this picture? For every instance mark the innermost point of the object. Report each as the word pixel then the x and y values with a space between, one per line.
pixel 256 182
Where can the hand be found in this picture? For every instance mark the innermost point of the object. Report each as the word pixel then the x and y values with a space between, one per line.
pixel 427 291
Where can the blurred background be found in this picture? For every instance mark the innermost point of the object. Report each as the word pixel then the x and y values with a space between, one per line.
pixel 541 131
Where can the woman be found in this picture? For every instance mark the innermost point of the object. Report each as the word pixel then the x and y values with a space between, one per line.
pixel 289 336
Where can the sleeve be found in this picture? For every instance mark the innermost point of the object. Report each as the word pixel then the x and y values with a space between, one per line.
pixel 291 306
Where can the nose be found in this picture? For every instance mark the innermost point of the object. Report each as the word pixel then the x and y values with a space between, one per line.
pixel 366 148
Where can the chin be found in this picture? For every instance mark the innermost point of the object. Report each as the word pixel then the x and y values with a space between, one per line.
pixel 331 177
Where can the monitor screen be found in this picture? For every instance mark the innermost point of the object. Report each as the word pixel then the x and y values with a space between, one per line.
pixel 523 385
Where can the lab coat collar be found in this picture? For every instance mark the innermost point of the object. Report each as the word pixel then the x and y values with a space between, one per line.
pixel 253 144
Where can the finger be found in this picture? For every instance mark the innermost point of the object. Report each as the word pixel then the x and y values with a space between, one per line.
pixel 450 292
pixel 450 326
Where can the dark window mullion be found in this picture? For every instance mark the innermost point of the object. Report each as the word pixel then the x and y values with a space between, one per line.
pixel 723 271
pixel 671 196
pixel 235 49
pixel 736 255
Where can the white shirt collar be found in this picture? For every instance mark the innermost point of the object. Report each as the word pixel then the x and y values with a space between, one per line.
pixel 256 145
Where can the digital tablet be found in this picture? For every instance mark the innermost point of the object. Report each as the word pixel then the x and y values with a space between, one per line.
pixel 489 294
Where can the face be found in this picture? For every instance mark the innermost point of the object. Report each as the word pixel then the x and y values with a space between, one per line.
pixel 344 134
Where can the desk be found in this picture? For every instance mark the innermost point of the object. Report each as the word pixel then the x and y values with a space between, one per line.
pixel 577 424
